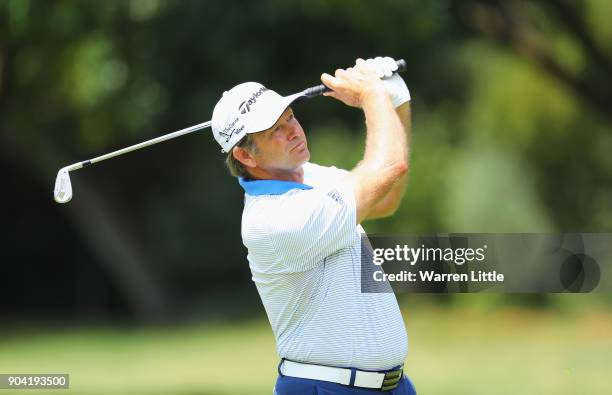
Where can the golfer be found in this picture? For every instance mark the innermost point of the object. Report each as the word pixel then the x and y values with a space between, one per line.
pixel 301 226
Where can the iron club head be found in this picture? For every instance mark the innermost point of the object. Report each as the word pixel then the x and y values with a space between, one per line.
pixel 62 193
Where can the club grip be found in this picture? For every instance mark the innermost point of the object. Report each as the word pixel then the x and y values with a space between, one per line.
pixel 320 89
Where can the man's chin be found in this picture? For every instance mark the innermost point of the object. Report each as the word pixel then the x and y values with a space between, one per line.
pixel 305 155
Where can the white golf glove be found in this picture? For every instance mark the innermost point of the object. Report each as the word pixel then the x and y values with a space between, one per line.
pixel 384 67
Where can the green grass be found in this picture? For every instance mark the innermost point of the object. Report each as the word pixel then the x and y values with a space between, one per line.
pixel 510 351
pixel 205 359
pixel 452 351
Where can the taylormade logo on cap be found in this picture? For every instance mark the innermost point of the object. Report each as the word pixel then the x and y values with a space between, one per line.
pixel 249 107
pixel 245 106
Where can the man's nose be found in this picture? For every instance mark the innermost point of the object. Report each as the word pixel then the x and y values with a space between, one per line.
pixel 292 132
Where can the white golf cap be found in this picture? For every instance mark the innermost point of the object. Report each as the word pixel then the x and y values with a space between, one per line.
pixel 246 108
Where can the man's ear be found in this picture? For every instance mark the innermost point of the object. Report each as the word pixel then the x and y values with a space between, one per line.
pixel 244 156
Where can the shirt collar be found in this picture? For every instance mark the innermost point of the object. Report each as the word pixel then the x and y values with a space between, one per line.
pixel 269 187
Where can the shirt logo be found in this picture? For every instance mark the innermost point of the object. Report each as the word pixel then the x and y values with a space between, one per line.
pixel 336 196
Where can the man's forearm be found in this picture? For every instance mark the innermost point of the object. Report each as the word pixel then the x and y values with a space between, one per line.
pixel 391 201
pixel 386 140
pixel 385 157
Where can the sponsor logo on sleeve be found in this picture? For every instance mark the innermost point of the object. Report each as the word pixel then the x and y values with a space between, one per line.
pixel 336 196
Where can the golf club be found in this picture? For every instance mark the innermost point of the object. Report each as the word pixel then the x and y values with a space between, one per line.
pixel 62 192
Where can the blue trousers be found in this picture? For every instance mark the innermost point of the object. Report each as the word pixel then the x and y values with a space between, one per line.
pixel 286 385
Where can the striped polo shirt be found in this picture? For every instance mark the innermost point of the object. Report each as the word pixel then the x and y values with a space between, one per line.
pixel 304 253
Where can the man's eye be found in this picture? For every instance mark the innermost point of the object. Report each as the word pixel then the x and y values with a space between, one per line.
pixel 276 129
pixel 290 117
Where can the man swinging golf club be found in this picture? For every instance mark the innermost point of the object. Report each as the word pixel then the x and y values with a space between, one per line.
pixel 301 225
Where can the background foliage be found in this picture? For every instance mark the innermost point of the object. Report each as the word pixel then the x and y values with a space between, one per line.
pixel 512 132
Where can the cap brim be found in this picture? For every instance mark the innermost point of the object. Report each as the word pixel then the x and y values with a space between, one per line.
pixel 274 109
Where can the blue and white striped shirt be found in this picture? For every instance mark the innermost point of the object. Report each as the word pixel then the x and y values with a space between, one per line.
pixel 305 257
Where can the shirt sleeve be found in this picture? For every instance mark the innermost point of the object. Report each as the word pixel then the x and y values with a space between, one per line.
pixel 338 172
pixel 314 224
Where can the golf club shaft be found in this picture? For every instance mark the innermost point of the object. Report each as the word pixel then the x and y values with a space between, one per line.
pixel 178 133
pixel 308 93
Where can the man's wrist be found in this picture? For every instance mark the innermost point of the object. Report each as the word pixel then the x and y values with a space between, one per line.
pixel 373 92
pixel 385 68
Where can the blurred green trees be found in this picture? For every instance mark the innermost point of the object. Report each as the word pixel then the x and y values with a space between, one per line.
pixel 511 132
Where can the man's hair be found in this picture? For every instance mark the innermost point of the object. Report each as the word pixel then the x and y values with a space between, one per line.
pixel 235 167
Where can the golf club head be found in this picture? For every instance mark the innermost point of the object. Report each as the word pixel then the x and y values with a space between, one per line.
pixel 62 193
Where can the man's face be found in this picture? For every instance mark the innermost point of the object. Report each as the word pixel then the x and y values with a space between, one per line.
pixel 283 147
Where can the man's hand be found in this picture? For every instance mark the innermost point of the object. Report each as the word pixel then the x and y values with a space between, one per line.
pixel 353 85
pixel 395 85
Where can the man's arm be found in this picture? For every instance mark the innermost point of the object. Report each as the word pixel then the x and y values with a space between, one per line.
pixel 391 202
pixel 385 158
